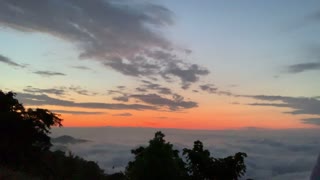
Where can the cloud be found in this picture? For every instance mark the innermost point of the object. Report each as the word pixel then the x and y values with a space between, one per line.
pixel 188 75
pixel 153 94
pixel 121 87
pixel 123 98
pixel 208 88
pixel 59 91
pixel 302 67
pixel 312 18
pixel 314 121
pixel 227 93
pixel 49 73
pixel 123 114
pixel 81 67
pixel 9 62
pixel 55 91
pixel 300 105
pixel 140 89
pixel 175 103
pixel 76 112
pixel 161 117
pixel 82 91
pixel 147 86
pixel 115 92
pixel 38 100
pixel 122 35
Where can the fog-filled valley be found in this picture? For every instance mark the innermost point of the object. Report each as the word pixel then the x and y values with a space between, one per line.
pixel 272 154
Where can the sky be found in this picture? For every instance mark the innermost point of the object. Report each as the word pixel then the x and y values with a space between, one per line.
pixel 163 63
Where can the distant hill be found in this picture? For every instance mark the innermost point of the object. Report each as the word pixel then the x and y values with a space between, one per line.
pixel 65 139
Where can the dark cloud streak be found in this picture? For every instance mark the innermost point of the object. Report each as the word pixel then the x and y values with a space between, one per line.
pixel 9 62
pixel 300 105
pixel 77 112
pixel 38 100
pixel 82 91
pixel 298 68
pixel 176 103
pixel 81 67
pixel 313 121
pixel 208 88
pixel 55 91
pixel 123 114
pixel 49 73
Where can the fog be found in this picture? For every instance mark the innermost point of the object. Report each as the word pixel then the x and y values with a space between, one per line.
pixel 272 154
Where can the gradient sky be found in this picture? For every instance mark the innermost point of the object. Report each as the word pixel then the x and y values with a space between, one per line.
pixel 209 65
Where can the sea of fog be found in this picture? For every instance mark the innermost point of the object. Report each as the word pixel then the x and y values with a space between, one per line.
pixel 272 154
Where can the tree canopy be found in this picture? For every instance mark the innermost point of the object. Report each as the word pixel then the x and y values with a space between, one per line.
pixel 157 161
pixel 23 132
pixel 25 145
pixel 201 166
pixel 160 161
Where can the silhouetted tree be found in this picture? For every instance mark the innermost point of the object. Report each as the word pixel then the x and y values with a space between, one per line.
pixel 199 162
pixel 158 161
pixel 25 143
pixel 231 167
pixel 70 166
pixel 201 166
pixel 23 133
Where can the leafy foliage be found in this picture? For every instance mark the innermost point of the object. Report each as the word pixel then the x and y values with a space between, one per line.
pixel 199 162
pixel 25 143
pixel 23 133
pixel 58 165
pixel 158 161
pixel 201 166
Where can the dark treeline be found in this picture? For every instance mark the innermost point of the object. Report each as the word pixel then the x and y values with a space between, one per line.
pixel 25 153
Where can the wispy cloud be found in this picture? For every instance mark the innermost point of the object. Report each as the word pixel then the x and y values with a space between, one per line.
pixel 208 88
pixel 154 94
pixel 313 18
pixel 39 100
pixel 9 62
pixel 177 102
pixel 81 91
pixel 301 67
pixel 122 36
pixel 49 73
pixel 174 103
pixel 123 98
pixel 161 117
pixel 59 91
pixel 55 91
pixel 77 112
pixel 300 105
pixel 150 86
pixel 314 121
pixel 123 114
pixel 81 67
